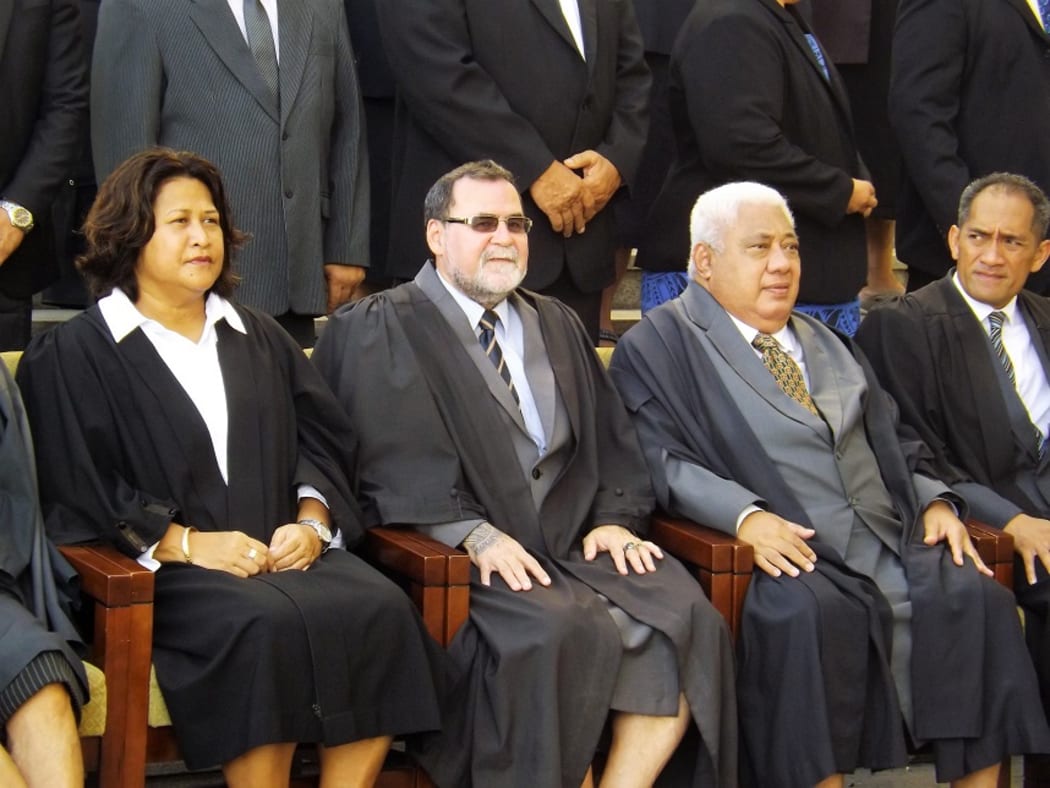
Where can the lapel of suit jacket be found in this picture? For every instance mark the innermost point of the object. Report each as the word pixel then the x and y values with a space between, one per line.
pixel 1025 10
pixel 427 281
pixel 969 352
pixel 827 387
pixel 216 23
pixel 295 24
pixel 6 12
pixel 726 339
pixel 187 426
pixel 537 364
pixel 589 23
pixel 551 11
pixel 796 29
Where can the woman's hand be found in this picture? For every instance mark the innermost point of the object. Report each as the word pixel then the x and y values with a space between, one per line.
pixel 293 546
pixel 228 551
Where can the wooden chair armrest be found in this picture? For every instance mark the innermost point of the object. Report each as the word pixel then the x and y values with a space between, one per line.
pixel 436 576
pixel 108 576
pixel 722 563
pixel 996 548
pixel 122 646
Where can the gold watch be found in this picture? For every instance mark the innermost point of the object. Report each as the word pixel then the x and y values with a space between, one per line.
pixel 20 217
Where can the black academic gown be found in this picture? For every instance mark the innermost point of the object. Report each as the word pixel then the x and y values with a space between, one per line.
pixel 537 684
pixel 331 655
pixel 958 409
pixel 963 623
pixel 35 581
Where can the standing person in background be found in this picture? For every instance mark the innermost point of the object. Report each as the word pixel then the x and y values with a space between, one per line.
pixel 284 125
pixel 660 21
pixel 969 95
pixel 43 93
pixel 378 91
pixel 754 97
pixel 555 91
pixel 858 36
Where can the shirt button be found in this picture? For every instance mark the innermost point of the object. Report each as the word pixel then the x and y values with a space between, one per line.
pixel 536 473
pixel 288 193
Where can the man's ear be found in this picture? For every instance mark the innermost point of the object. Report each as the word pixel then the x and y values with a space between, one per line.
pixel 701 257
pixel 436 237
pixel 1043 250
pixel 953 241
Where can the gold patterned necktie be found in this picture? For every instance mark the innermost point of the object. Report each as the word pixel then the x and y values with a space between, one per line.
pixel 785 371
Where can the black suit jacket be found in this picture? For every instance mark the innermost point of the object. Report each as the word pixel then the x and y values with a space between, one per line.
pixel 505 81
pixel 749 102
pixel 930 352
pixel 43 96
pixel 969 95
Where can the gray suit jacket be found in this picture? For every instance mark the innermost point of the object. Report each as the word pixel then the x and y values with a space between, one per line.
pixel 179 73
pixel 830 459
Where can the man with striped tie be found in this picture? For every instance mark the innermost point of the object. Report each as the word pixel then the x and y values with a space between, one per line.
pixel 968 360
pixel 486 420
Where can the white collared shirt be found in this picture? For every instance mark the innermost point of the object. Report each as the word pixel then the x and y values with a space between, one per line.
pixel 571 10
pixel 195 365
pixel 270 6
pixel 511 337
pixel 1029 376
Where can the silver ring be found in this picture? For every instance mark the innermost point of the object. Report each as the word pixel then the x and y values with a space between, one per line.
pixel 252 553
pixel 629 546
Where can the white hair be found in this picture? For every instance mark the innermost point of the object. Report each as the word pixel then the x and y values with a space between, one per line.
pixel 717 210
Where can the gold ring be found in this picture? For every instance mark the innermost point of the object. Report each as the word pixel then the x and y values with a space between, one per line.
pixel 252 553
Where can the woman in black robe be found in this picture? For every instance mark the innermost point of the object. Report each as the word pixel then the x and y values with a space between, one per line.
pixel 195 436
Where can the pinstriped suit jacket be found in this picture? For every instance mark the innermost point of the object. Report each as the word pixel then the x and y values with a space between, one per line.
pixel 179 73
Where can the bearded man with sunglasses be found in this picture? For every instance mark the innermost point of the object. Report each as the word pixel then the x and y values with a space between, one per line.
pixel 487 421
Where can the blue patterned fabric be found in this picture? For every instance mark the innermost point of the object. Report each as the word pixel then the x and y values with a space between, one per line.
pixel 658 287
pixel 845 317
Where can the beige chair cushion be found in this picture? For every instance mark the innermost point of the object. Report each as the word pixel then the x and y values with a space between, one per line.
pixel 93 715
pixel 158 710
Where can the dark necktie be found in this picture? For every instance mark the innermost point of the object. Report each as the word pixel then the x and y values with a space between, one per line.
pixel 260 41
pixel 819 53
pixel 785 371
pixel 487 338
pixel 995 334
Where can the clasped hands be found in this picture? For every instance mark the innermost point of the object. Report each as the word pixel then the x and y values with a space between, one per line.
pixel 570 200
pixel 293 546
pixel 493 551
pixel 780 545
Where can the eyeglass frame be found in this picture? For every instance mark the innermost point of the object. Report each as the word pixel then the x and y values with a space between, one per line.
pixel 471 221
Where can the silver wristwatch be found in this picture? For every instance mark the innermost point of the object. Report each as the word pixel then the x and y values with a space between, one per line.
pixel 20 217
pixel 322 531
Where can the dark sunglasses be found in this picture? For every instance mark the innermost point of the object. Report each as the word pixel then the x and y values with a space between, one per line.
pixel 487 223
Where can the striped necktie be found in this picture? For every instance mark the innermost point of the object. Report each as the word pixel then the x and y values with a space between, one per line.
pixel 995 334
pixel 785 371
pixel 487 338
pixel 260 41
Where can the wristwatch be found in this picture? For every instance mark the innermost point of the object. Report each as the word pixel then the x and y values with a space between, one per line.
pixel 20 217
pixel 321 529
